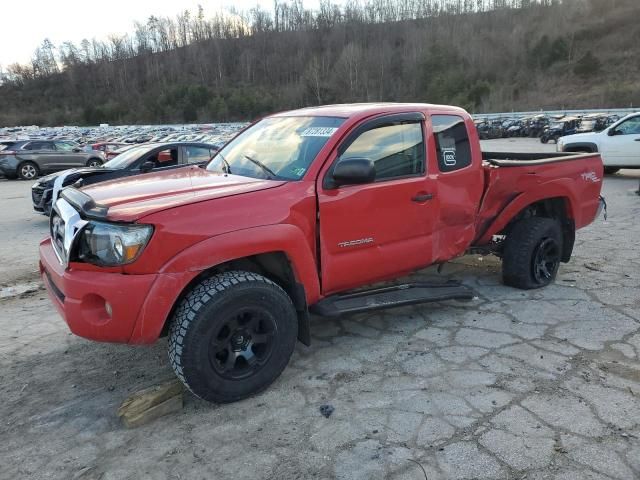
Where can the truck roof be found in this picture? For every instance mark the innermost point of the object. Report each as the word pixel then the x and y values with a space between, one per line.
pixel 349 110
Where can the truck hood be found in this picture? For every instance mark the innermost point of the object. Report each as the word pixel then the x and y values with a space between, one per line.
pixel 131 198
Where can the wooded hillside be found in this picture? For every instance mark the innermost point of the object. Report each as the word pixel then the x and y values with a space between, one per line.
pixel 485 55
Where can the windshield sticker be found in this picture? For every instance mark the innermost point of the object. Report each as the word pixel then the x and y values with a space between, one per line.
pixel 318 132
pixel 298 172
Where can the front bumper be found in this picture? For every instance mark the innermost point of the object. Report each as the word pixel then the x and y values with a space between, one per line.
pixel 80 297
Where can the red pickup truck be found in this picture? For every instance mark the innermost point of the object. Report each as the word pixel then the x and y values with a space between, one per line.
pixel 290 217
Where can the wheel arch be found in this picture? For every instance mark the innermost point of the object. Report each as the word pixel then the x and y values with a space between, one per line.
pixel 277 252
pixel 589 147
pixel 276 266
pixel 557 202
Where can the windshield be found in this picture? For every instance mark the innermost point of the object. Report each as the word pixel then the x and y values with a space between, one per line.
pixel 127 157
pixel 276 148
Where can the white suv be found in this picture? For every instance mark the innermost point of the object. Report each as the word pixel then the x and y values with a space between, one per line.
pixel 618 145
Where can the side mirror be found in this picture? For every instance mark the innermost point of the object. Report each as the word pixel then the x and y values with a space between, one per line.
pixel 612 132
pixel 147 166
pixel 77 149
pixel 353 171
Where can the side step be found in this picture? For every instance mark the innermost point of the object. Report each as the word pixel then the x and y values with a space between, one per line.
pixel 388 297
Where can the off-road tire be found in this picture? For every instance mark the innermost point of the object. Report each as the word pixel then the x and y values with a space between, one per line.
pixel 611 170
pixel 94 162
pixel 203 312
pixel 522 245
pixel 28 171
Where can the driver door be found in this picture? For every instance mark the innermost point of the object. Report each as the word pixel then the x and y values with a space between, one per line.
pixel 373 231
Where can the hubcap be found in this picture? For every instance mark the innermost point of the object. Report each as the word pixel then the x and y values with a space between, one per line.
pixel 243 343
pixel 546 260
pixel 28 171
pixel 94 164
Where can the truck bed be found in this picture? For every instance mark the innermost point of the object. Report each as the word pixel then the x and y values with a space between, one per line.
pixel 512 181
pixel 518 159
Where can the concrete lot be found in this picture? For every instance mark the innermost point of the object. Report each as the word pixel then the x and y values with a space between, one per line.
pixel 539 385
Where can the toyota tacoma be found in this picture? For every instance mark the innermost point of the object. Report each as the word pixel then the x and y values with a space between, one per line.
pixel 298 214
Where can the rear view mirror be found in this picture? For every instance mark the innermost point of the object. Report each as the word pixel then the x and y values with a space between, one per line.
pixel 353 171
pixel 147 166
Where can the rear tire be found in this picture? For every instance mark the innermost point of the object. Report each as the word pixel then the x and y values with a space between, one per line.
pixel 611 170
pixel 232 336
pixel 532 253
pixel 28 171
pixel 94 162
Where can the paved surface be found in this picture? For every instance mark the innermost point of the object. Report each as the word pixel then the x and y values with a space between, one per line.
pixel 21 230
pixel 512 385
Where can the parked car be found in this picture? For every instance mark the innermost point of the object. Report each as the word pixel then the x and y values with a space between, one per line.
pixel 619 144
pixel 28 159
pixel 111 154
pixel 560 128
pixel 107 147
pixel 135 161
pixel 290 217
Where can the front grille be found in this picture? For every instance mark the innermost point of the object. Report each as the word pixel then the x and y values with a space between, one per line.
pixel 57 233
pixel 36 194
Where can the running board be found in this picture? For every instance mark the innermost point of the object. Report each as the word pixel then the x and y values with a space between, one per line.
pixel 389 297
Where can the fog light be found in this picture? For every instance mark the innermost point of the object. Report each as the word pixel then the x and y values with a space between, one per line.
pixel 107 307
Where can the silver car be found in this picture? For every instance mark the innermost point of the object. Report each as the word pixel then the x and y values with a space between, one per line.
pixel 27 159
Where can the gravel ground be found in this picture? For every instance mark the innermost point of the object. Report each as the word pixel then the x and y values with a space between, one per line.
pixel 539 385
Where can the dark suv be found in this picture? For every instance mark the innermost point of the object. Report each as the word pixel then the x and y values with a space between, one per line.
pixel 28 159
pixel 137 160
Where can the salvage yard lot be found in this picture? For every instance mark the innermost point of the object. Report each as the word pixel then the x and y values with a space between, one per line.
pixel 537 384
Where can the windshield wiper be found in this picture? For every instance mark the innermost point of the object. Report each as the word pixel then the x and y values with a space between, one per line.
pixel 227 168
pixel 267 170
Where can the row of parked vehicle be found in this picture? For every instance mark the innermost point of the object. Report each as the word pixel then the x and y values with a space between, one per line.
pixel 548 128
pixel 28 153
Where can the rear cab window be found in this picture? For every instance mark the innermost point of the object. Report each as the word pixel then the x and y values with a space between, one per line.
pixel 452 142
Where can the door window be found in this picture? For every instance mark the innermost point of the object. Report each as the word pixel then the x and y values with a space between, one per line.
pixel 630 127
pixel 39 146
pixel 452 142
pixel 65 146
pixel 396 150
pixel 198 154
pixel 165 158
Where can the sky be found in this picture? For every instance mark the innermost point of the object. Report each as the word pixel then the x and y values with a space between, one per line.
pixel 26 23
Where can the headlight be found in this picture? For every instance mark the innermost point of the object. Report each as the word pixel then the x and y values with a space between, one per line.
pixel 110 244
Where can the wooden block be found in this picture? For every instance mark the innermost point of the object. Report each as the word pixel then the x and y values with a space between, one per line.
pixel 151 403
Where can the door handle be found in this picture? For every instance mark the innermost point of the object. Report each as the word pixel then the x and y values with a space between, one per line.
pixel 637 139
pixel 422 197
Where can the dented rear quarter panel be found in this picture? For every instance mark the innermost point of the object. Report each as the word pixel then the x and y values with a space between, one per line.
pixel 509 190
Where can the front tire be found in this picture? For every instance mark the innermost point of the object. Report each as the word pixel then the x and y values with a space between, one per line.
pixel 28 171
pixel 232 336
pixel 532 253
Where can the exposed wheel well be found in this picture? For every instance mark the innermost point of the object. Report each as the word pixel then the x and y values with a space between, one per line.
pixel 557 209
pixel 273 265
